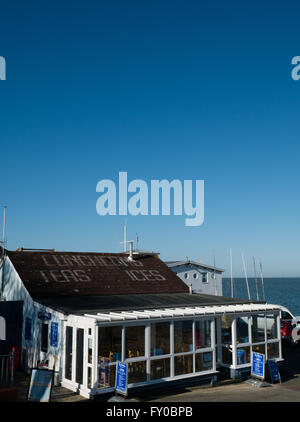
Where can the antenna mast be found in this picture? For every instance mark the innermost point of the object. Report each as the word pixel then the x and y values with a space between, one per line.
pixel 262 280
pixel 246 277
pixel 255 276
pixel 215 277
pixel 231 276
pixel 125 236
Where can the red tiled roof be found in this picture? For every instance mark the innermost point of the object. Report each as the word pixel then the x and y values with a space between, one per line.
pixel 50 274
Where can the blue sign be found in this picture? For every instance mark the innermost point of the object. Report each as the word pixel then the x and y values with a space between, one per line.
pixel 28 325
pixel 54 334
pixel 274 371
pixel 121 378
pixel 258 365
pixel 40 385
pixel 44 316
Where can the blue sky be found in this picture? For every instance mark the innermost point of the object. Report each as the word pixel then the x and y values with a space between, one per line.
pixel 160 89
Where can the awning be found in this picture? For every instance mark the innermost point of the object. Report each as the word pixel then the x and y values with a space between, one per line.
pixel 180 312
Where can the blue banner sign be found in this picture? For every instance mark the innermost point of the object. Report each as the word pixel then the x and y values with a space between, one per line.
pixel 44 316
pixel 121 378
pixel 54 334
pixel 258 365
pixel 40 385
pixel 274 371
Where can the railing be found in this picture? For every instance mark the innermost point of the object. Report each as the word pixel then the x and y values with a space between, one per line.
pixel 7 363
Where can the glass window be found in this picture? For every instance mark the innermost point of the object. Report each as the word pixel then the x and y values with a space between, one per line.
pixel 203 333
pixel 89 377
pixel 226 321
pixel 259 348
pixel 273 350
pixel 106 373
pixel 243 355
pixel 90 350
pixel 136 372
pixel 271 327
pixel 135 341
pixel 110 343
pixel 160 339
pixel 242 330
pixel 68 352
pixel 258 328
pixel 226 355
pixel 204 361
pixel 183 364
pixel 44 341
pixel 204 277
pixel 160 368
pixel 183 336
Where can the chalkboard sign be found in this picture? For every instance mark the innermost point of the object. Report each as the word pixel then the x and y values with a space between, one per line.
pixel 258 365
pixel 274 371
pixel 121 378
pixel 40 385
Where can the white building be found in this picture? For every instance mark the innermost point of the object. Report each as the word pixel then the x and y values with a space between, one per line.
pixel 201 278
pixel 83 312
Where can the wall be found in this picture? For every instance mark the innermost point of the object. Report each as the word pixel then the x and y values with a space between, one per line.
pixel 14 290
pixel 198 286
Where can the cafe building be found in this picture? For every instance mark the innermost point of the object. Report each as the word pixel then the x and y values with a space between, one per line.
pixel 83 312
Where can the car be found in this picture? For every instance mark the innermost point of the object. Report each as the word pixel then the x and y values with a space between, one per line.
pixel 290 332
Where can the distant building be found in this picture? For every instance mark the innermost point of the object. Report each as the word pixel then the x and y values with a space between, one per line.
pixel 201 278
pixel 82 312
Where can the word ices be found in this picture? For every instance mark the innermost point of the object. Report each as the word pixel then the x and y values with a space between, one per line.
pixel 138 203
pixel 296 70
pixel 2 69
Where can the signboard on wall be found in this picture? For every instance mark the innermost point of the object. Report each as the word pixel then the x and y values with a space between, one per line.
pixel 54 334
pixel 258 365
pixel 121 378
pixel 40 386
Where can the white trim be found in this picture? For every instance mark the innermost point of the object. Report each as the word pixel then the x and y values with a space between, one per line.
pixel 194 311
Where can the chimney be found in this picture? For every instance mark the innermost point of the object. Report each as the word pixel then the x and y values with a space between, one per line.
pixel 130 257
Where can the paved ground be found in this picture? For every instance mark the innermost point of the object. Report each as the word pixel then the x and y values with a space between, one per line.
pixel 287 391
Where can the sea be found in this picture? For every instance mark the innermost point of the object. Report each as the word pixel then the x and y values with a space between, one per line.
pixel 278 291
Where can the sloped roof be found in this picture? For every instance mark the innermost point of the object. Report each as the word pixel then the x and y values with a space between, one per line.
pixel 93 304
pixel 51 274
pixel 197 264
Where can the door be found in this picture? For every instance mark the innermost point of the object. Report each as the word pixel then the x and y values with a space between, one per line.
pixel 68 353
pixel 79 355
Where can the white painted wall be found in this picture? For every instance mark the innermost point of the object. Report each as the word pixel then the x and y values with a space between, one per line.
pixel 14 289
pixel 193 274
